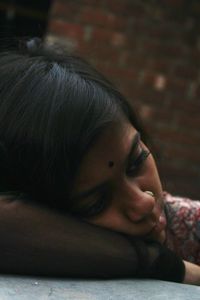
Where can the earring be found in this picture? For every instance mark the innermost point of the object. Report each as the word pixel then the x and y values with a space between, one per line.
pixel 150 193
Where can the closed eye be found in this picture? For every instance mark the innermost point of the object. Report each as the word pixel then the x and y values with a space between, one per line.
pixel 92 205
pixel 137 162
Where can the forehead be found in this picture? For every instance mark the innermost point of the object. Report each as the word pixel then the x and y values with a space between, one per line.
pixel 112 145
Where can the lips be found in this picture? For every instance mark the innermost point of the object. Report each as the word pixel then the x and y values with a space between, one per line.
pixel 160 218
pixel 158 231
pixel 161 224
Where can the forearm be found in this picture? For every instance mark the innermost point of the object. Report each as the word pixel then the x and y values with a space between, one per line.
pixel 34 240
pixel 192 273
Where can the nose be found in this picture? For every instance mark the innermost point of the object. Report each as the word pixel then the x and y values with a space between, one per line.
pixel 137 204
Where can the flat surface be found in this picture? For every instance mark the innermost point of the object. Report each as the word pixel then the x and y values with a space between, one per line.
pixel 28 288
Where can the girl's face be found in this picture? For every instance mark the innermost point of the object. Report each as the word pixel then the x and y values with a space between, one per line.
pixel 110 187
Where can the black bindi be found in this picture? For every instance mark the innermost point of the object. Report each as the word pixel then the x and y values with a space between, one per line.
pixel 111 164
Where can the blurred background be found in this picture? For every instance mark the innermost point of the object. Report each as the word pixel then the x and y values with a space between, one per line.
pixel 149 49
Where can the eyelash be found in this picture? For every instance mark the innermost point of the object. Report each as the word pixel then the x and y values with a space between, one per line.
pixel 137 163
pixel 97 207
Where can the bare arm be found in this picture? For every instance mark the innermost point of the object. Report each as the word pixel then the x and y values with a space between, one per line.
pixel 192 273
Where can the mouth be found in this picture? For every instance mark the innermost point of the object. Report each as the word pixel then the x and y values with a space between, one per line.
pixel 159 218
pixel 158 231
pixel 161 223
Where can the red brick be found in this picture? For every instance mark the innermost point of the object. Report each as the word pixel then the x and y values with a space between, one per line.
pixel 117 74
pixel 108 54
pixel 186 189
pixel 177 137
pixel 157 48
pixel 174 3
pixel 161 65
pixel 197 91
pixel 95 3
pixel 186 71
pixel 152 47
pixel 109 37
pixel 178 87
pixel 119 6
pixel 194 55
pixel 101 35
pixel 163 116
pixel 99 52
pixel 192 121
pixel 175 170
pixel 138 27
pixel 147 78
pixel 182 186
pixel 131 91
pixel 187 107
pixel 153 97
pixel 118 39
pixel 84 49
pixel 191 154
pixel 126 8
pixel 103 18
pixel 195 8
pixel 67 29
pixel 64 10
pixel 166 31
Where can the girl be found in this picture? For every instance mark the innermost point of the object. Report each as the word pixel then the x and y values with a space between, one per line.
pixel 81 195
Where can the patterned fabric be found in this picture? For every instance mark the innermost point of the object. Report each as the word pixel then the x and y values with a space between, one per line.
pixel 183 229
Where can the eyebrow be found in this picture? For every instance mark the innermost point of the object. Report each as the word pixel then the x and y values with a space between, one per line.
pixel 101 186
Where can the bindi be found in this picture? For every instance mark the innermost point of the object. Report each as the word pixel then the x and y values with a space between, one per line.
pixel 111 164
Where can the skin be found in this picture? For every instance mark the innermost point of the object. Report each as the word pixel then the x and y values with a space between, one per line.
pixel 127 194
pixel 127 208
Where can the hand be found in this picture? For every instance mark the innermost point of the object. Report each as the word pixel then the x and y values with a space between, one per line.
pixel 192 273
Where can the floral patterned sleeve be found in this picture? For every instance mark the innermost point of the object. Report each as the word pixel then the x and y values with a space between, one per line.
pixel 183 230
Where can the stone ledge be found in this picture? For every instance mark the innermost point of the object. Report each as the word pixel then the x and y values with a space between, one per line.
pixel 23 288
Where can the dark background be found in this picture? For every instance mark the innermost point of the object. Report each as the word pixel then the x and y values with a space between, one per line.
pixel 23 17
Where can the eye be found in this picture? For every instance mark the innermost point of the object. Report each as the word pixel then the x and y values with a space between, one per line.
pixel 94 210
pixel 137 161
pixel 92 206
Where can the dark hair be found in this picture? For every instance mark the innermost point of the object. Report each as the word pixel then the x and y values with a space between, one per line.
pixel 52 107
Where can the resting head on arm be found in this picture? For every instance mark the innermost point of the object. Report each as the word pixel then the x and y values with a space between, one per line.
pixel 70 141
pixel 53 107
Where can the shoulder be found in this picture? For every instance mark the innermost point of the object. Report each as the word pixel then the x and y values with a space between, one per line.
pixel 180 202
pixel 181 208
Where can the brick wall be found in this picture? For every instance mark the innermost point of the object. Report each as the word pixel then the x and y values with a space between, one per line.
pixel 151 50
